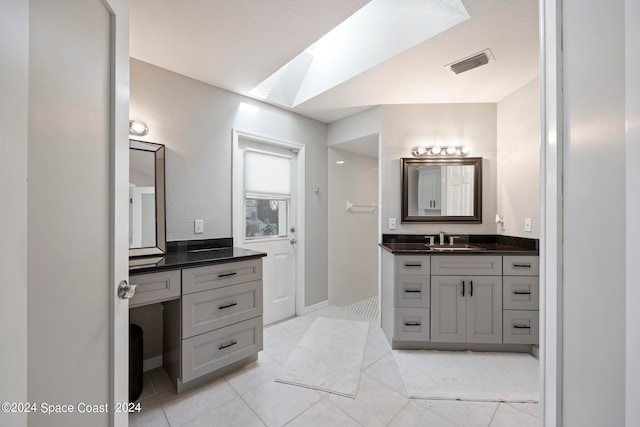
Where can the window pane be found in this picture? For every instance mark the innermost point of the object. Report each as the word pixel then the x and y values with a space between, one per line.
pixel 265 218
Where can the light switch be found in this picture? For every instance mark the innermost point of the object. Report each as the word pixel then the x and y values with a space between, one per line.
pixel 392 223
pixel 527 225
pixel 198 226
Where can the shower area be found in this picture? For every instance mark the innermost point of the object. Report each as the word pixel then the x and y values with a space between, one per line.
pixel 353 225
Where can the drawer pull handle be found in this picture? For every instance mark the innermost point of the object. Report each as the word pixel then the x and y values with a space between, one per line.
pixel 222 307
pixel 521 327
pixel 227 345
pixel 525 265
pixel 471 286
pixel 521 293
pixel 412 323
pixel 413 290
pixel 228 274
pixel 463 288
pixel 413 265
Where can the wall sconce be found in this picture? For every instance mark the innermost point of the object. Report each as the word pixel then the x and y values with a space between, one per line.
pixel 138 128
pixel 436 150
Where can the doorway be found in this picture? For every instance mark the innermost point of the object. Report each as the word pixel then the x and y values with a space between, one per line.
pixel 267 196
pixel 354 225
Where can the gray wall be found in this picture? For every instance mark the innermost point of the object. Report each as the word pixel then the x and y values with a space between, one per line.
pixel 194 121
pixel 518 182
pixel 594 214
pixel 405 126
pixel 14 31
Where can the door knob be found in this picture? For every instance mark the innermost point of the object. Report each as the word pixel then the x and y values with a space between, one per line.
pixel 126 290
pixel 293 241
pixel 293 229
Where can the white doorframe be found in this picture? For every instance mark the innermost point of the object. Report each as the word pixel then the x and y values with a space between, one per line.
pixel 299 204
pixel 119 218
pixel 551 249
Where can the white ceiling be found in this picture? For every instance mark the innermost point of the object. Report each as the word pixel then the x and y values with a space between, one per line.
pixel 236 44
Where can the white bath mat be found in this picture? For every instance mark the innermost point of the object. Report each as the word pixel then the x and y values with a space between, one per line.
pixel 466 375
pixel 329 357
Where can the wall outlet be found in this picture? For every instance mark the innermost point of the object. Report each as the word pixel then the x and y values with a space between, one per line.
pixel 198 226
pixel 527 225
pixel 392 223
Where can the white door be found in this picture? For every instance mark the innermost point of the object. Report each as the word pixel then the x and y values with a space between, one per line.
pixel 265 219
pixel 78 208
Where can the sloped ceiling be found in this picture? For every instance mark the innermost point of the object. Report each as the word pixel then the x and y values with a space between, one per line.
pixel 236 44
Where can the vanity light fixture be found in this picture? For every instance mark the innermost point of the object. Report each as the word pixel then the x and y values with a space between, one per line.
pixel 436 150
pixel 138 128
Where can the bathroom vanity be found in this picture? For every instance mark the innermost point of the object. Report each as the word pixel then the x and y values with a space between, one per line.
pixel 477 295
pixel 212 307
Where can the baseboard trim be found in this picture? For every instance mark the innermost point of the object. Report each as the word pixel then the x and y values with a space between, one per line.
pixel 311 308
pixel 153 363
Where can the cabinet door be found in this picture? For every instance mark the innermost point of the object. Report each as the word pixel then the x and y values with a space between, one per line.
pixel 484 309
pixel 448 309
pixel 429 189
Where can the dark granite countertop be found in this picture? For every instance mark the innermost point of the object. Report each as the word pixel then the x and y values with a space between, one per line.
pixel 189 255
pixel 408 244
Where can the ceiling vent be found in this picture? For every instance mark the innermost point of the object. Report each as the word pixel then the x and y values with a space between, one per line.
pixel 471 62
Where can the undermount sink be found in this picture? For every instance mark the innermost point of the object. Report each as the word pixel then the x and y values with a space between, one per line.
pixel 454 248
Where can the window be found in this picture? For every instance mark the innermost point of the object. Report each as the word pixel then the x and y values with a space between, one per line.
pixel 267 186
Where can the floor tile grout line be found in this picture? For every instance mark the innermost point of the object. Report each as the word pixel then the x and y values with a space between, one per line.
pixel 241 396
pixel 495 411
pixel 524 412
pixel 398 413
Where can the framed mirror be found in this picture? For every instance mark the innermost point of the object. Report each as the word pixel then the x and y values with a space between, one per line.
pixel 443 190
pixel 147 230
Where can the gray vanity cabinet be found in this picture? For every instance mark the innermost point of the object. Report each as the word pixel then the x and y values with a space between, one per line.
pixel 460 301
pixel 212 318
pixel 466 309
pixel 466 299
pixel 521 300
pixel 406 315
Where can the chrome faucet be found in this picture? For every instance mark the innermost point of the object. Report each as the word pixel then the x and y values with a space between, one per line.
pixel 430 238
pixel 442 237
pixel 452 239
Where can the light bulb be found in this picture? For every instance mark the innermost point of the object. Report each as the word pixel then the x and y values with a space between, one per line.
pixel 436 149
pixel 138 128
pixel 465 150
pixel 451 150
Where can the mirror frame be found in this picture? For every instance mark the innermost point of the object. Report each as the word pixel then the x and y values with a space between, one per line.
pixel 161 232
pixel 476 162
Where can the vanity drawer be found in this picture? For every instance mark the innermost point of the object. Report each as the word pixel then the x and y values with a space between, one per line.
pixel 521 266
pixel 520 292
pixel 155 287
pixel 412 291
pixel 412 265
pixel 208 352
pixel 411 324
pixel 466 265
pixel 220 275
pixel 214 309
pixel 520 326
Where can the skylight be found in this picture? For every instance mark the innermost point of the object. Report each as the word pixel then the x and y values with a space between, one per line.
pixel 374 34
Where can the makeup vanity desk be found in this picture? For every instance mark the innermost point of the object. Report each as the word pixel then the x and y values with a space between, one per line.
pixel 212 307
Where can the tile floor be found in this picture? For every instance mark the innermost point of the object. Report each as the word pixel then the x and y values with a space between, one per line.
pixel 249 397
